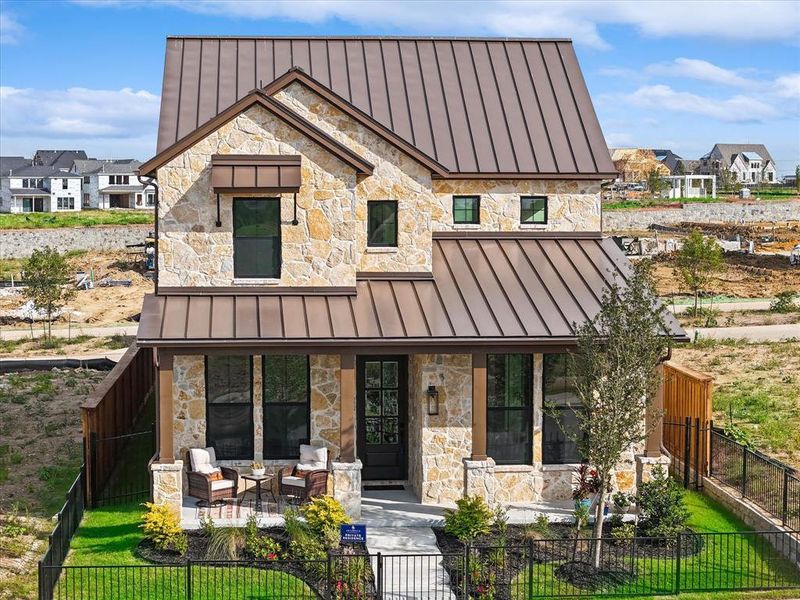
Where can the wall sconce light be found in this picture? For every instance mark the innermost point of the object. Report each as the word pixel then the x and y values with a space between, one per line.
pixel 433 400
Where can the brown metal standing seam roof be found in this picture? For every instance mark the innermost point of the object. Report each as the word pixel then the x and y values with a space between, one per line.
pixel 486 290
pixel 477 106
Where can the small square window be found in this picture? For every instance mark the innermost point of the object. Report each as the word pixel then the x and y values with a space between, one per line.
pixel 533 209
pixel 382 223
pixel 466 210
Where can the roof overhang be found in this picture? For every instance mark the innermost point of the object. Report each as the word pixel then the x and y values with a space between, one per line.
pixel 254 173
pixel 29 192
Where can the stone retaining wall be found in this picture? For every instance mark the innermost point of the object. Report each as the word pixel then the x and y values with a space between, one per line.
pixel 19 243
pixel 732 212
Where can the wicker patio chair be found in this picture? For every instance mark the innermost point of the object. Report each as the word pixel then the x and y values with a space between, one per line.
pixel 308 478
pixel 201 474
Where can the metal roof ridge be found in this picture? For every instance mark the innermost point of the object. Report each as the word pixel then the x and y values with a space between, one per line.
pixel 372 37
pixel 517 235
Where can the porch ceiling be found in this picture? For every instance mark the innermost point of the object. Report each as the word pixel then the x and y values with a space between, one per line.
pixel 487 290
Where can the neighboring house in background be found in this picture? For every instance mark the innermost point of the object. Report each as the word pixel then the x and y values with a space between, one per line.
pixel 746 163
pixel 360 256
pixel 634 165
pixel 60 159
pixel 33 188
pixel 113 184
pixel 669 159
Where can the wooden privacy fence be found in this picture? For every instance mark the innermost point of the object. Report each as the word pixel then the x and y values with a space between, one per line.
pixel 687 417
pixel 111 412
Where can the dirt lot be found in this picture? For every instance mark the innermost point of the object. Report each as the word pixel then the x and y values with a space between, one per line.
pixel 101 305
pixel 81 345
pixel 757 389
pixel 739 319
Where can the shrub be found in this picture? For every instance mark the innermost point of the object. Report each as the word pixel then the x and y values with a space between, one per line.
pixel 614 521
pixel 324 515
pixel 783 302
pixel 207 525
pixel 351 575
pixel 263 547
pixel 163 528
pixel 623 532
pixel 661 505
pixel 471 518
pixel 621 501
pixel 226 543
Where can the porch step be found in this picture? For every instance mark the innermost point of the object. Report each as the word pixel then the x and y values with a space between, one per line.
pixel 398 508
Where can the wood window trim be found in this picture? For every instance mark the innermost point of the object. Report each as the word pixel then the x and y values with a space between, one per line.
pixel 375 203
pixel 477 211
pixel 264 406
pixel 251 422
pixel 534 197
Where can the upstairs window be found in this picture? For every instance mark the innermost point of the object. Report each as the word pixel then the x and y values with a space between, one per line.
pixel 509 419
pixel 86 180
pixel 533 209
pixel 257 238
pixel 229 406
pixel 382 223
pixel 561 405
pixel 286 405
pixel 466 210
pixel 65 184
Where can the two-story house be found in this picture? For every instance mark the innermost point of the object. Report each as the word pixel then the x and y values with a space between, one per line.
pixel 745 163
pixel 32 188
pixel 382 246
pixel 113 184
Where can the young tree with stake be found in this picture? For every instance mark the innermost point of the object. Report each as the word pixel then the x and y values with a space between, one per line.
pixel 697 260
pixel 47 274
pixel 615 366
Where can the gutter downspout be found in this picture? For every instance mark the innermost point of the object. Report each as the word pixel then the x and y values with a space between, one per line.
pixel 145 181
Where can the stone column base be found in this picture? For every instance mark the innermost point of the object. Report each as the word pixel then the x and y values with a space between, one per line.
pixel 479 479
pixel 168 484
pixel 347 486
pixel 646 464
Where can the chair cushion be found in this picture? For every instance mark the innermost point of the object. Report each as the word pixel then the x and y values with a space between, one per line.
pixel 293 481
pixel 221 484
pixel 202 458
pixel 312 458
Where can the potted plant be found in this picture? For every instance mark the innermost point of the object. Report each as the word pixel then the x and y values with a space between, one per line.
pixel 258 469
pixel 586 487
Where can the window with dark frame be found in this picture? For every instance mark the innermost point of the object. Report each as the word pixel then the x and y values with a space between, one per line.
pixel 559 394
pixel 257 238
pixel 509 418
pixel 229 406
pixel 466 210
pixel 86 180
pixel 65 184
pixel 533 209
pixel 382 223
pixel 286 403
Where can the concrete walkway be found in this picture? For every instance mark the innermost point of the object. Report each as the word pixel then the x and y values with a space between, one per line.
pixel 752 333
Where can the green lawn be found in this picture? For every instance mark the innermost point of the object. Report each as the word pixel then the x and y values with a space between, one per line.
pixel 84 218
pixel 725 563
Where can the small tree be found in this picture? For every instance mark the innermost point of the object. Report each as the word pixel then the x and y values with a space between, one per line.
pixel 616 379
pixel 47 274
pixel 697 260
pixel 655 182
pixel 797 178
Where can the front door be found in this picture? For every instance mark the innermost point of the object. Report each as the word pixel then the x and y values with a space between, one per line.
pixel 382 412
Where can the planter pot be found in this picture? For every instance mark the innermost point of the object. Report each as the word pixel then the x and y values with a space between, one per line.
pixel 587 502
pixel 259 472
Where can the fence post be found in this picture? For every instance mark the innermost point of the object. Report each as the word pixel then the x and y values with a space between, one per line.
pixel 530 569
pixel 329 572
pixel 93 468
pixel 467 552
pixel 380 577
pixel 678 565
pixel 687 449
pixel 189 579
pixel 42 591
pixel 711 448
pixel 785 507
pixel 744 471
pixel 696 453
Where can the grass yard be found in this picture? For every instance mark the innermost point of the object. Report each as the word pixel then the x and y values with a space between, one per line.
pixel 84 218
pixel 723 563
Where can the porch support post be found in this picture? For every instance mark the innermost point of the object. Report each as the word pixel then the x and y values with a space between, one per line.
pixel 347 423
pixel 654 420
pixel 478 406
pixel 166 453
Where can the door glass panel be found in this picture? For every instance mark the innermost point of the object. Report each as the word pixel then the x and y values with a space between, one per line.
pixel 390 374
pixel 372 375
pixel 373 408
pixel 373 431
pixel 390 403
pixel 390 430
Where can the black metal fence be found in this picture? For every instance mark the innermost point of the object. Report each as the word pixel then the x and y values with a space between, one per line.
pixel 687 442
pixel 543 568
pixel 769 484
pixel 68 519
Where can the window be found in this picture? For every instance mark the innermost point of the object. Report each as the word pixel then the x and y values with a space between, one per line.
pixel 509 389
pixel 32 183
pixel 466 210
pixel 65 203
pixel 126 179
pixel 138 199
pixel 533 209
pixel 86 180
pixel 86 201
pixel 118 180
pixel 151 199
pixel 229 406
pixel 382 223
pixel 286 405
pixel 65 184
pixel 559 396
pixel 257 237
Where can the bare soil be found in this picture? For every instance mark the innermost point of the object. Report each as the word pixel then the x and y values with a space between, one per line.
pixel 740 318
pixel 101 305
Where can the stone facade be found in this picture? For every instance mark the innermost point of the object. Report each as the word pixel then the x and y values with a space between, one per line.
pixel 168 484
pixel 346 479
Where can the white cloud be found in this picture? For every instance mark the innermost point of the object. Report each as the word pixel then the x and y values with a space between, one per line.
pixel 788 86
pixel 81 117
pixel 11 30
pixel 772 20
pixel 700 70
pixel 736 109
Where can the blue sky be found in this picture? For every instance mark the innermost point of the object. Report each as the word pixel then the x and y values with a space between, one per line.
pixel 681 75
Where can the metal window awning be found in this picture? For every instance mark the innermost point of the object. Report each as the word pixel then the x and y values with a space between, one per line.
pixel 254 173
pixel 490 290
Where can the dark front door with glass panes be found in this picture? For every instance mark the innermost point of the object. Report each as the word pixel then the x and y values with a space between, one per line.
pixel 382 397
